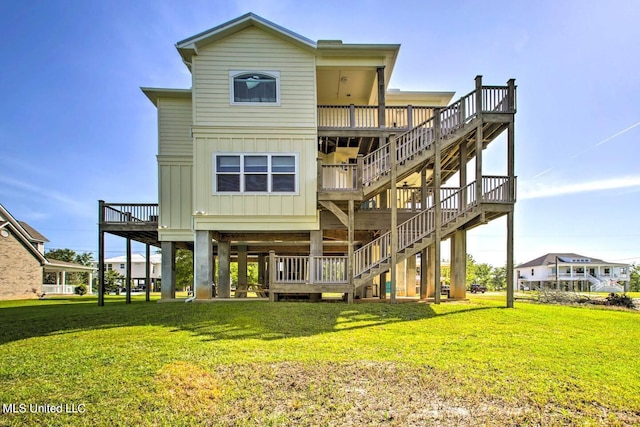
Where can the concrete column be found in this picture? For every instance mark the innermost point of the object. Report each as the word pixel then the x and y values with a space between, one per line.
pixel 431 271
pixel 242 265
pixel 401 283
pixel 168 289
pixel 459 264
pixel 383 285
pixel 410 281
pixel 203 265
pixel 224 271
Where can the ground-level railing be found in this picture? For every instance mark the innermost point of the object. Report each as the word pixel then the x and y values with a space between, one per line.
pixel 59 289
pixel 122 213
pixel 308 269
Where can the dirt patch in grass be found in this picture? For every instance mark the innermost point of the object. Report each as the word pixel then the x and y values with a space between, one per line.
pixel 356 394
pixel 184 387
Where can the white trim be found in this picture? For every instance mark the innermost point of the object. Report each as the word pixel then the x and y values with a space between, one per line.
pixel 269 174
pixel 234 73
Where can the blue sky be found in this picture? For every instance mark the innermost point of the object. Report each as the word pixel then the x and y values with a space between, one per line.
pixel 75 127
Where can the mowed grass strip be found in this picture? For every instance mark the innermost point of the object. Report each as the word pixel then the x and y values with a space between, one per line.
pixel 258 363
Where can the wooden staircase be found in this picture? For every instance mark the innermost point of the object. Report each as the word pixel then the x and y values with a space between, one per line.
pixel 418 232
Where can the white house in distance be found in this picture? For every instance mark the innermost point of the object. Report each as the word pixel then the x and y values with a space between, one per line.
pixel 138 268
pixel 570 271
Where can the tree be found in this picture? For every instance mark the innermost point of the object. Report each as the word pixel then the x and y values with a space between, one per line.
pixel 184 269
pixel 112 281
pixel 499 278
pixel 634 276
pixel 66 255
pixel 69 255
pixel 483 274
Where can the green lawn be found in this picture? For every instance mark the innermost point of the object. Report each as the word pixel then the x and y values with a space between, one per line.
pixel 259 363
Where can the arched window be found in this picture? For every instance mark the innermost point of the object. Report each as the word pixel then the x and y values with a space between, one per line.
pixel 255 87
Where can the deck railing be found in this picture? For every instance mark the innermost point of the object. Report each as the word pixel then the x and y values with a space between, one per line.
pixel 309 269
pixel 421 135
pixel 339 177
pixel 366 116
pixel 123 213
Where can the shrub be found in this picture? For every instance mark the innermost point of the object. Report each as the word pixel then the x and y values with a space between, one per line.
pixel 620 300
pixel 80 289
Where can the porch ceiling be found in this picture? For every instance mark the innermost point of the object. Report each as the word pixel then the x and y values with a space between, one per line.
pixel 346 85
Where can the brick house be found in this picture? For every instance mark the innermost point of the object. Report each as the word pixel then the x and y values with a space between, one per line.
pixel 21 258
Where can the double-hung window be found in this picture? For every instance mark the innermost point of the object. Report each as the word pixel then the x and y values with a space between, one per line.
pixel 255 87
pixel 255 173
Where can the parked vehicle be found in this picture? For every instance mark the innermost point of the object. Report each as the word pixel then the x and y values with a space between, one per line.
pixel 445 290
pixel 475 288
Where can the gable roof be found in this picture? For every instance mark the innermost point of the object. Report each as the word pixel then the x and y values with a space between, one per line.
pixel 189 46
pixel 7 221
pixel 35 235
pixel 564 258
pixel 332 48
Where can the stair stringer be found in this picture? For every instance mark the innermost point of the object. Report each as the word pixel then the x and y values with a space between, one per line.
pixel 418 246
pixel 406 168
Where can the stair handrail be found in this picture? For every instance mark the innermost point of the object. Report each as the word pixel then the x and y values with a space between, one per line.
pixel 419 138
pixel 417 227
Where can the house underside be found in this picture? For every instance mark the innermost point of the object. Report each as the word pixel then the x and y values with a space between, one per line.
pixel 377 212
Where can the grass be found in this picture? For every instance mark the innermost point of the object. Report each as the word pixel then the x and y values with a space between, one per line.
pixel 258 363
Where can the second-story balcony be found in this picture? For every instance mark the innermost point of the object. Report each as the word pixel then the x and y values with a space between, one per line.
pixel 371 117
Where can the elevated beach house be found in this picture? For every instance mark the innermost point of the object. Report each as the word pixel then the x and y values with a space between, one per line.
pixel 573 272
pixel 296 155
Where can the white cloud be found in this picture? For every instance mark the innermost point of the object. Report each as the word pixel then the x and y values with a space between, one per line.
pixel 67 203
pixel 528 190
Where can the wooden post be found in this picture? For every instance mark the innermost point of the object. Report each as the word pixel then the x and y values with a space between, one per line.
pixel 512 193
pixel 381 100
pixel 261 277
pixel 479 140
pixel 100 253
pixel 272 274
pixel 393 202
pixel 352 116
pixel 350 249
pixel 147 277
pixel 437 176
pixel 424 252
pixel 409 117
pixel 319 171
pixel 359 173
pixel 128 271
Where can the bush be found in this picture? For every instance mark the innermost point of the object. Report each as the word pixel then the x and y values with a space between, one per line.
pixel 620 300
pixel 80 289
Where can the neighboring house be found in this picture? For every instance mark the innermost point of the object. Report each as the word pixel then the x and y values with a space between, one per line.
pixel 570 271
pixel 138 268
pixel 296 155
pixel 23 264
pixel 21 259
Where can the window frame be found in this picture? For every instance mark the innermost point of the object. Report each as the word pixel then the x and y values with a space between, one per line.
pixel 269 173
pixel 270 73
